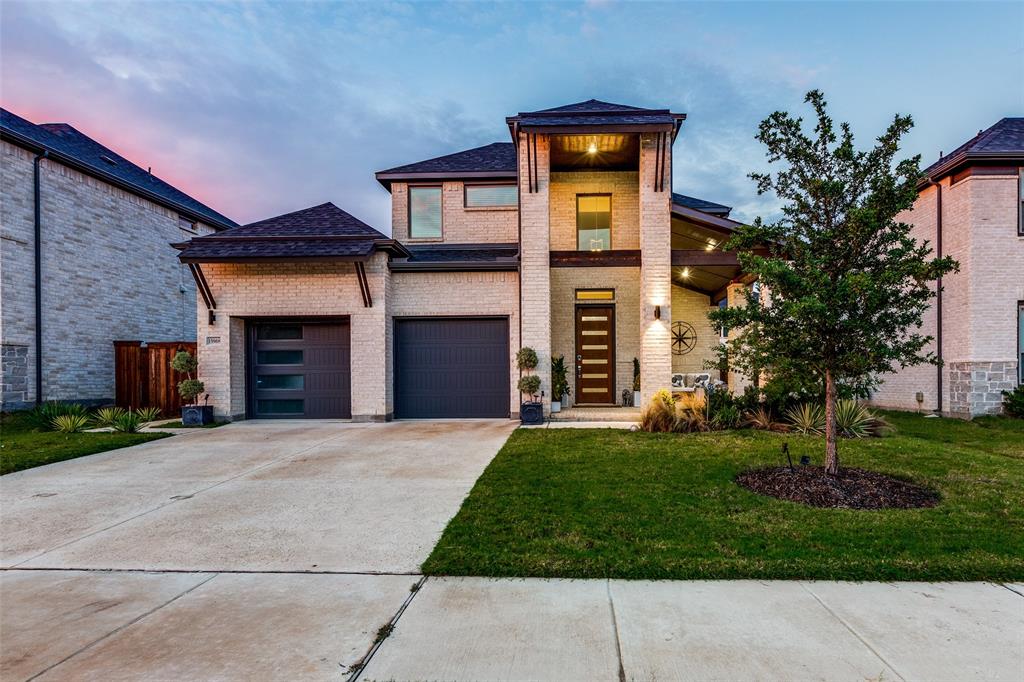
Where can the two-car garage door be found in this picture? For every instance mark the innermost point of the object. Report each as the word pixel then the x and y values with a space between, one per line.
pixel 451 367
pixel 443 368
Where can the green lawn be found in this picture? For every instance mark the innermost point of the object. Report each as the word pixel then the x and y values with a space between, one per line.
pixel 22 447
pixel 606 503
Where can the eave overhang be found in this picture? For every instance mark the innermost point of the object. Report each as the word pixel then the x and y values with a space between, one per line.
pixel 956 162
pixel 385 178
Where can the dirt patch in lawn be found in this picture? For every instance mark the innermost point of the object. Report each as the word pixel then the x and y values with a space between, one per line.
pixel 851 488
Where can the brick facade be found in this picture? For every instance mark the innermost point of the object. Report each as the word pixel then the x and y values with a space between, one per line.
pixel 655 271
pixel 623 187
pixel 109 273
pixel 979 335
pixel 459 225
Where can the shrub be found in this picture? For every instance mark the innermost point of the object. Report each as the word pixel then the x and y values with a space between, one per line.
pixel 806 418
pixel 129 422
pixel 526 358
pixel 43 415
pixel 106 416
pixel 853 420
pixel 149 414
pixel 70 423
pixel 660 414
pixel 761 418
pixel 1013 402
pixel 190 390
pixel 636 374
pixel 690 420
pixel 184 362
pixel 726 417
pixel 529 384
pixel 559 380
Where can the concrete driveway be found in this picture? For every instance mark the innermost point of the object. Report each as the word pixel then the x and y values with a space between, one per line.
pixel 257 549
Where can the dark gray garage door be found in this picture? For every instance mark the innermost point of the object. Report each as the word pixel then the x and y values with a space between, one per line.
pixel 451 367
pixel 300 369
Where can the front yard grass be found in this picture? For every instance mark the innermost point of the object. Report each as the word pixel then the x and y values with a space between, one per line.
pixel 23 447
pixel 577 503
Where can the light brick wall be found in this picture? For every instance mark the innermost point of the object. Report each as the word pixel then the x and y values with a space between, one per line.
pixel 655 272
pixel 692 307
pixel 626 282
pixel 109 273
pixel 471 294
pixel 296 290
pixel 459 225
pixel 535 266
pixel 979 302
pixel 625 206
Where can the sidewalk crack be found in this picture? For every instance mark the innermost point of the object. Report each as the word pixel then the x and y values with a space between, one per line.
pixel 121 628
pixel 853 631
pixel 356 669
pixel 615 629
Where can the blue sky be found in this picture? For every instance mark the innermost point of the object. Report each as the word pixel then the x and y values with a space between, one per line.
pixel 262 108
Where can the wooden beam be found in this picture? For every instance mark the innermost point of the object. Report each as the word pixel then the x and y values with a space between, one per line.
pixel 595 259
pixel 698 257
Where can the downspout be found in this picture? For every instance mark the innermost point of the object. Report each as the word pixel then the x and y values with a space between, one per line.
pixel 938 293
pixel 38 231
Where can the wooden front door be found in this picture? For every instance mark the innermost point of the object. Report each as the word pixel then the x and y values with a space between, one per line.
pixel 595 355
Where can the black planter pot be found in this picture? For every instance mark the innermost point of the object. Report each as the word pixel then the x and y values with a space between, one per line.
pixel 531 413
pixel 196 415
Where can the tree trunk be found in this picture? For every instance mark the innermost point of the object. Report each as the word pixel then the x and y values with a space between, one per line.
pixel 831 451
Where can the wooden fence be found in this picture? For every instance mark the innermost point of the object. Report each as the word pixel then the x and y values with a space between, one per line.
pixel 143 375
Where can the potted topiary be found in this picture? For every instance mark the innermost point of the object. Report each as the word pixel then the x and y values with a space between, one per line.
pixel 559 383
pixel 530 411
pixel 192 413
pixel 636 382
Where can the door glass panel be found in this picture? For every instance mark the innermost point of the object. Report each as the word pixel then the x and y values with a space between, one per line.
pixel 280 406
pixel 279 357
pixel 276 332
pixel 281 381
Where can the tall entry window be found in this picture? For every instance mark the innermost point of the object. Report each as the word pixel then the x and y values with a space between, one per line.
pixel 425 212
pixel 593 222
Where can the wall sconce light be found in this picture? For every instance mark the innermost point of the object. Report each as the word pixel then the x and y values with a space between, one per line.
pixel 657 312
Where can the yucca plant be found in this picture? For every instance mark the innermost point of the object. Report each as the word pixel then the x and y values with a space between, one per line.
pixel 853 420
pixel 148 414
pixel 70 423
pixel 761 418
pixel 43 415
pixel 107 416
pixel 806 418
pixel 129 422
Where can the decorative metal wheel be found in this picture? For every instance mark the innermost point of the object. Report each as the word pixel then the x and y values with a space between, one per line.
pixel 684 338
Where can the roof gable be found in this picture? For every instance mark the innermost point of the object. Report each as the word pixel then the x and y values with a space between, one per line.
pixel 700 204
pixel 325 220
pixel 497 159
pixel 591 106
pixel 63 140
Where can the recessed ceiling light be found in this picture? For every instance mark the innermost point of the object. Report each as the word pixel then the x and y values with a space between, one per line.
pixel 592 149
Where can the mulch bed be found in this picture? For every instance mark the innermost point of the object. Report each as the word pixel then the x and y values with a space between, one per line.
pixel 851 489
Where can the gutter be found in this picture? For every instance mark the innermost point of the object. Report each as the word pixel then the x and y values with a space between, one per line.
pixel 37 228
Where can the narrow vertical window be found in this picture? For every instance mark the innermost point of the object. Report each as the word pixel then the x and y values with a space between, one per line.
pixel 425 212
pixel 1020 202
pixel 593 222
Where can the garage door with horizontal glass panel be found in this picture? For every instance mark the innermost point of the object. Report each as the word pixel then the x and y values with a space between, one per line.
pixel 451 367
pixel 300 369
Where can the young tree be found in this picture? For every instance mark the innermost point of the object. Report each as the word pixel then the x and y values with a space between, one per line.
pixel 847 284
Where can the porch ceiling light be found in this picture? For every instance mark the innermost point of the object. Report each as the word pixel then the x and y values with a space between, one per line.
pixel 684 273
pixel 592 148
pixel 711 245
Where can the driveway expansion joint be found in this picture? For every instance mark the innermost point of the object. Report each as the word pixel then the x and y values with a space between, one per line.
pixel 1011 589
pixel 388 629
pixel 615 629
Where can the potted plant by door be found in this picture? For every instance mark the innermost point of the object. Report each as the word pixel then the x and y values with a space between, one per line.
pixel 559 383
pixel 530 411
pixel 192 413
pixel 636 382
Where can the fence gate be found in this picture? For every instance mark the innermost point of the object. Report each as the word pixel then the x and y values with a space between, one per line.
pixel 143 376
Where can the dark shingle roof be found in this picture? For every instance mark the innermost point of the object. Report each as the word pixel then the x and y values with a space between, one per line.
pixel 493 160
pixel 323 231
pixel 66 143
pixel 595 113
pixel 1004 140
pixel 460 257
pixel 700 204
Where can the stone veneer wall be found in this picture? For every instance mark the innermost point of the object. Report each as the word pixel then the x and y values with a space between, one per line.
pixel 626 283
pixel 473 294
pixel 459 225
pixel 297 290
pixel 109 273
pixel 976 387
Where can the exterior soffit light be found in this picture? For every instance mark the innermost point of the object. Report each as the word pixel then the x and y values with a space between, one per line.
pixel 592 148
pixel 685 273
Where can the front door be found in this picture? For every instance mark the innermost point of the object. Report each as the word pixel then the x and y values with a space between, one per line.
pixel 595 355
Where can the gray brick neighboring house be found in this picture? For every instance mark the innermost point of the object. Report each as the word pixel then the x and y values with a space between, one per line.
pixel 106 267
pixel 971 207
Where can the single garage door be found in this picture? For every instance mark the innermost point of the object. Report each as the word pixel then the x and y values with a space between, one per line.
pixel 300 369
pixel 451 367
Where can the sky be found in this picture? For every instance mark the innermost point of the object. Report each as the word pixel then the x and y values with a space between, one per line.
pixel 257 109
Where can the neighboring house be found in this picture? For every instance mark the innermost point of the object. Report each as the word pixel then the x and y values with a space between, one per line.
pixel 569 239
pixel 93 230
pixel 971 207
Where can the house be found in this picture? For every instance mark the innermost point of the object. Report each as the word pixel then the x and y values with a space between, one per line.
pixel 971 206
pixel 568 239
pixel 85 260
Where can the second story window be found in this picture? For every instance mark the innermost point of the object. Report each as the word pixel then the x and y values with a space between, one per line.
pixel 425 212
pixel 593 222
pixel 481 196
